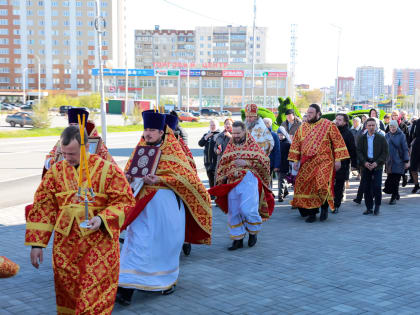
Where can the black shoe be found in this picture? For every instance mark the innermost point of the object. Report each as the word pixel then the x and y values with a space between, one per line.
pixel 237 244
pixel 415 189
pixel 252 240
pixel 121 240
pixel 336 210
pixel 280 199
pixel 311 218
pixel 368 212
pixel 376 211
pixel 404 181
pixel 392 201
pixel 397 197
pixel 124 296
pixel 411 181
pixel 324 214
pixel 358 201
pixel 169 291
pixel 186 248
pixel 286 192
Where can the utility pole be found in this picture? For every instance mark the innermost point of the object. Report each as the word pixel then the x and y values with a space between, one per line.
pixel 253 52
pixel 24 85
pixel 338 60
pixel 100 26
pixel 39 79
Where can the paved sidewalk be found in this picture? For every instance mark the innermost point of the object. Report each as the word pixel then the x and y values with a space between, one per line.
pixel 350 264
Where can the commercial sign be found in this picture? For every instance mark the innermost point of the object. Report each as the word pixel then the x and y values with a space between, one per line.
pixel 173 72
pixel 121 72
pixel 275 74
pixel 193 73
pixel 211 73
pixel 161 73
pixel 232 73
pixel 257 73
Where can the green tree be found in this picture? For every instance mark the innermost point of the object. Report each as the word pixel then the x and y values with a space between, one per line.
pixel 40 116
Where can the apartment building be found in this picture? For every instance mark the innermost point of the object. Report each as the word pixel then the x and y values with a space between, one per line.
pixel 369 83
pixel 408 79
pixel 58 35
pixel 203 45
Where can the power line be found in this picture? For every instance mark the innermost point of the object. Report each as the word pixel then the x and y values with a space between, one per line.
pixel 199 14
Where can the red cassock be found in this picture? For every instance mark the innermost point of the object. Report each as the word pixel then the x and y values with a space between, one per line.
pixel 229 175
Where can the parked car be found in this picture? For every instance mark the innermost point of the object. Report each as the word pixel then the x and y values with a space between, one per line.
pixel 226 113
pixel 26 107
pixel 21 118
pixel 195 113
pixel 6 106
pixel 209 112
pixel 64 109
pixel 184 116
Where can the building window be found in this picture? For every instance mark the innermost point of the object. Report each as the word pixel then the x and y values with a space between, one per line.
pixel 78 4
pixel 16 12
pixel 4 31
pixel 79 13
pixel 41 12
pixel 66 23
pixel 4 51
pixel 5 22
pixel 18 61
pixel 56 71
pixel 4 70
pixel 30 22
pixel 56 81
pixel 41 3
pixel 3 2
pixel 91 13
pixel 66 3
pixel 79 23
pixel 54 3
pixel 104 4
pixel 29 13
pixel 4 41
pixel 4 80
pixel 66 13
pixel 53 33
pixel 54 13
pixel 4 12
pixel 91 4
pixel 4 60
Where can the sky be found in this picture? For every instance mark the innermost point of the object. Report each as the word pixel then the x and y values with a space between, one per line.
pixel 381 33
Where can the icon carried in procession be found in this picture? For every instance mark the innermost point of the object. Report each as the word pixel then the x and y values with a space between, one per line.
pixel 84 170
pixel 145 161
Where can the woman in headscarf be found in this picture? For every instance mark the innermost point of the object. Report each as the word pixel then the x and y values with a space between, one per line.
pixel 397 161
pixel 285 142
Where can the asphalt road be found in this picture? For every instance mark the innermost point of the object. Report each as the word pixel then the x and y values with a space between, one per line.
pixel 22 160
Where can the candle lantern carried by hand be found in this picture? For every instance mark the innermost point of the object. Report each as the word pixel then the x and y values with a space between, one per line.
pixel 84 172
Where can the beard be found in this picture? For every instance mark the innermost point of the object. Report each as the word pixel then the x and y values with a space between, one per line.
pixel 238 140
pixel 250 125
pixel 154 143
pixel 314 120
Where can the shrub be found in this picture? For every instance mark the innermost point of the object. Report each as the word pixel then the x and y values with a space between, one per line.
pixel 284 105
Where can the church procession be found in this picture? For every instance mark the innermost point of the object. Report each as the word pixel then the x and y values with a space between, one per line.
pixel 117 232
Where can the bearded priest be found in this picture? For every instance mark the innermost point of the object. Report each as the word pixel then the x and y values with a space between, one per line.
pixel 242 186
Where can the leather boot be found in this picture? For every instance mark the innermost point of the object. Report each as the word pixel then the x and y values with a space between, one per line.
pixel 237 244
pixel 124 296
pixel 252 240
pixel 393 198
pixel 415 189
pixel 324 214
pixel 186 248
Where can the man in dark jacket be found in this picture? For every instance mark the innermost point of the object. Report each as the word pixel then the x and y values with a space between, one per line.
pixel 342 122
pixel 275 153
pixel 208 141
pixel 292 122
pixel 372 152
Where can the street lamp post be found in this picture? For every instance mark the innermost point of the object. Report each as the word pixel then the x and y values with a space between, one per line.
pixel 338 60
pixel 253 52
pixel 24 86
pixel 39 79
pixel 99 27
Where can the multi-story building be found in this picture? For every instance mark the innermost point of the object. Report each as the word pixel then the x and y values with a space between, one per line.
pixel 229 44
pixel 163 46
pixel 58 35
pixel 369 83
pixel 204 45
pixel 408 79
pixel 344 87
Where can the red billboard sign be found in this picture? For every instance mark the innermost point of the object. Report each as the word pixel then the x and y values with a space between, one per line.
pixel 233 73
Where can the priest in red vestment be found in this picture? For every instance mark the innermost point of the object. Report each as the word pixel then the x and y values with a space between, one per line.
pixel 242 186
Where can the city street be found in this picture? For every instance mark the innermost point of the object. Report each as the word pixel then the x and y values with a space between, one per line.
pixel 349 264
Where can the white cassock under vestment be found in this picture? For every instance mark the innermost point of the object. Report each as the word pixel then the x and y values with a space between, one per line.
pixel 153 243
pixel 243 202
